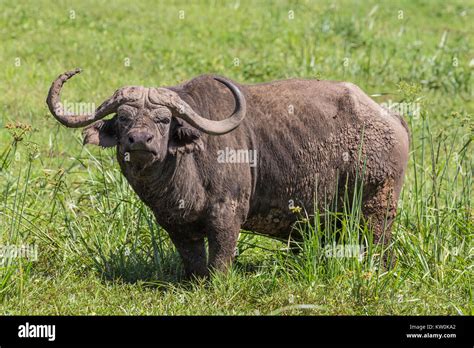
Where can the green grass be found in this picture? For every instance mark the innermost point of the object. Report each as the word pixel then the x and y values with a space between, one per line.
pixel 100 251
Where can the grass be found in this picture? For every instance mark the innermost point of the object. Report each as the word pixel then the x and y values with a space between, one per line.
pixel 99 249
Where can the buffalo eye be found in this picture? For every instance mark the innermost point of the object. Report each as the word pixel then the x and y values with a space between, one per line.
pixel 161 115
pixel 123 118
pixel 161 119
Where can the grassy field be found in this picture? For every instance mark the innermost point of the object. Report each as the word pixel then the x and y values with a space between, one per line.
pixel 99 250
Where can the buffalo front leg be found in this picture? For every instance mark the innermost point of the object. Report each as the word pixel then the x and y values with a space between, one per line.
pixel 222 243
pixel 193 254
pixel 223 228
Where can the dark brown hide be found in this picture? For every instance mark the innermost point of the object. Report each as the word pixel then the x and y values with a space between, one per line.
pixel 309 137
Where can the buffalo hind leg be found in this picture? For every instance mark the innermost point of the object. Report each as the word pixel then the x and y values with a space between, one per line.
pixel 379 211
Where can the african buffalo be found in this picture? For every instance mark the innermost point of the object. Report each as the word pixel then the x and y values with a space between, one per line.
pixel 179 150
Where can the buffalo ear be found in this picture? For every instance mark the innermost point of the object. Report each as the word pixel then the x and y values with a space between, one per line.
pixel 184 138
pixel 101 133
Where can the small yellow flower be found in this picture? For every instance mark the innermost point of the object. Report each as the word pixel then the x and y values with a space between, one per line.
pixel 295 209
pixel 367 275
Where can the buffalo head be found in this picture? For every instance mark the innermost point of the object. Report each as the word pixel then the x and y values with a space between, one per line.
pixel 147 121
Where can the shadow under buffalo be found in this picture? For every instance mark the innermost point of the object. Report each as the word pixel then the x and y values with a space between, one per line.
pixel 158 270
pixel 146 267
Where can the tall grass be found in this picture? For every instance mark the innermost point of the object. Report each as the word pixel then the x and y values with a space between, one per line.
pixel 14 272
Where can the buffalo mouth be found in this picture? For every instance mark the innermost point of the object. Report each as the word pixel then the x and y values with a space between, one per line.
pixel 143 152
pixel 140 158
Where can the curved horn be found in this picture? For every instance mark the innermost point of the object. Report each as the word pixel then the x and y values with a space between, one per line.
pixel 75 121
pixel 215 127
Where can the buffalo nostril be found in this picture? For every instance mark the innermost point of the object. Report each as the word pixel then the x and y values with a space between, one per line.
pixel 149 138
pixel 130 139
